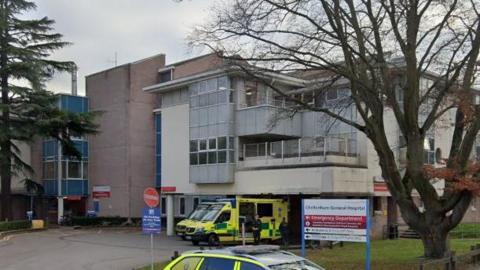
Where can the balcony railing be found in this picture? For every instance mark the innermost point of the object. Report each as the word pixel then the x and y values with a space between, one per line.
pixel 304 150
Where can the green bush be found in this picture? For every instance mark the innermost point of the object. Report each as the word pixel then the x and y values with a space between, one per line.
pixel 15 225
pixel 101 221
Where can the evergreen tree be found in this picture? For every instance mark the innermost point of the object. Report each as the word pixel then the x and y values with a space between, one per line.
pixel 27 109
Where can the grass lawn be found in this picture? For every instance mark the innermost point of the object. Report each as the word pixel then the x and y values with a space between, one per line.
pixel 399 254
pixel 386 254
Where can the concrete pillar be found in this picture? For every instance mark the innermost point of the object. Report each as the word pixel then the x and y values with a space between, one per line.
pixel 60 209
pixel 170 216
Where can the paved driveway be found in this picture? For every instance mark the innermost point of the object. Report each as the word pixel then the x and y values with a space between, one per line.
pixel 67 249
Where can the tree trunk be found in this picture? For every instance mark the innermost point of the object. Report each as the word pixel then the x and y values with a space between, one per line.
pixel 6 179
pixel 435 243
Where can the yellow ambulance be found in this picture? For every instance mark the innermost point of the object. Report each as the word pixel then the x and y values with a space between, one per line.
pixel 195 216
pixel 222 222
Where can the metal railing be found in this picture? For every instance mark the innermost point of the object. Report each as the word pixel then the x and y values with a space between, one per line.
pixel 303 147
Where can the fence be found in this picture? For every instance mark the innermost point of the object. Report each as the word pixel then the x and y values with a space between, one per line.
pixel 304 147
pixel 469 260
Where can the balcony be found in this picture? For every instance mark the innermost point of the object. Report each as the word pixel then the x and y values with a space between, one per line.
pixel 300 152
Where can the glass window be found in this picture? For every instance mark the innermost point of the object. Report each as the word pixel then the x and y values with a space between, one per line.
pixel 193 158
pixel 202 158
pixel 194 101
pixel 203 100
pixel 223 82
pixel 212 157
pixel 223 217
pixel 85 170
pixel 182 206
pixel 49 170
pixel 222 142
pixel 222 97
pixel 165 76
pixel 250 266
pixel 64 169
pixel 164 206
pixel 212 144
pixel 217 264
pixel 212 98
pixel 222 157
pixel 203 145
pixel 195 202
pixel 74 169
pixel 189 263
pixel 193 146
pixel 265 209
pixel 231 156
pixel 231 143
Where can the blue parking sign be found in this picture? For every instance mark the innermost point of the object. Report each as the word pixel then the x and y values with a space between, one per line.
pixel 151 221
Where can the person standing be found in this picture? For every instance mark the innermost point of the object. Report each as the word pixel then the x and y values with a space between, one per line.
pixel 257 230
pixel 284 232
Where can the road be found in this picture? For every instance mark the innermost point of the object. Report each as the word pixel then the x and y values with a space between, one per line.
pixel 100 249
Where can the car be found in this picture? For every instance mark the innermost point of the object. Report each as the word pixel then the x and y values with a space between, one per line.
pixel 262 257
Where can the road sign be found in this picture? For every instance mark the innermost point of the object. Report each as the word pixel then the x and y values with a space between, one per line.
pixel 345 220
pixel 151 197
pixel 101 191
pixel 151 221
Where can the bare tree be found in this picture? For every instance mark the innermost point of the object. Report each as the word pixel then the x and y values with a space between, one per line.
pixel 383 48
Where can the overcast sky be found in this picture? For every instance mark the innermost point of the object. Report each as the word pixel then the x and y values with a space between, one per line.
pixel 135 29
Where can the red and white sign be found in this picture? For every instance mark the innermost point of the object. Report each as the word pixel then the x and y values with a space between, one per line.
pixel 101 192
pixel 73 198
pixel 168 189
pixel 335 220
pixel 151 197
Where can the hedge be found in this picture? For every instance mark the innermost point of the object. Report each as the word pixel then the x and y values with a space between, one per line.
pixel 15 225
pixel 101 221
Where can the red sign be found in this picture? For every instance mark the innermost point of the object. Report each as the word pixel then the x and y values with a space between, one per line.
pixel 380 187
pixel 151 197
pixel 73 198
pixel 168 189
pixel 343 222
pixel 101 192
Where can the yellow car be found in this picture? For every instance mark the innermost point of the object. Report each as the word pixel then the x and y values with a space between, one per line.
pixel 263 257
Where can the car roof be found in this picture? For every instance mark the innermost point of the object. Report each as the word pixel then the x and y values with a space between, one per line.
pixel 265 254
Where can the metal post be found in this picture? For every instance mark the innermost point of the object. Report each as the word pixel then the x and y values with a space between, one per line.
pixel 282 149
pixel 151 251
pixel 303 230
pixel 243 233
pixel 59 183
pixel 367 255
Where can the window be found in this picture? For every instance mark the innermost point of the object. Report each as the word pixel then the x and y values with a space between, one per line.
pixel 231 156
pixel 224 217
pixel 195 202
pixel 217 264
pixel 332 94
pixel 163 206
pixel 202 158
pixel 212 157
pixel 251 91
pixel 222 143
pixel 212 144
pixel 193 158
pixel 265 209
pixel 193 146
pixel 222 157
pixel 203 145
pixel 165 76
pixel 182 206
pixel 49 170
pixel 231 143
pixel 250 266
pixel 429 154
pixel 85 170
pixel 189 263
pixel 74 170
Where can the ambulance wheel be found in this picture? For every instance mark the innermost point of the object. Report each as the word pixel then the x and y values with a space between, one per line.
pixel 195 242
pixel 213 240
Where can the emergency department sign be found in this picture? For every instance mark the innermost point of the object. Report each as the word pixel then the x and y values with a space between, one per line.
pixel 335 220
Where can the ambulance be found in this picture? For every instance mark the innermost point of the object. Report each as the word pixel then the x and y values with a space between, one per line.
pixel 223 221
pixel 195 216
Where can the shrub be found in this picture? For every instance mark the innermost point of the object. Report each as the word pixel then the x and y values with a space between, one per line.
pixel 15 225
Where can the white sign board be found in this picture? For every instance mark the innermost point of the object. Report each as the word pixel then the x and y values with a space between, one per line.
pixel 335 219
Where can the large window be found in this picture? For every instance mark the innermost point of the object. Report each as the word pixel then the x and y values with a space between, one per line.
pixel 217 264
pixel 212 151
pixel 49 170
pixel 182 206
